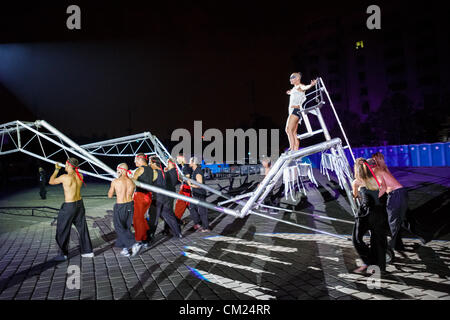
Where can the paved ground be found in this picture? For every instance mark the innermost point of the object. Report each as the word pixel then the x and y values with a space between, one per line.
pixel 250 258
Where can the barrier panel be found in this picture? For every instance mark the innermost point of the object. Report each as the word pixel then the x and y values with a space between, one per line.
pixel 391 156
pixel 371 151
pixel 363 152
pixel 425 155
pixel 447 153
pixel 404 159
pixel 414 155
pixel 438 155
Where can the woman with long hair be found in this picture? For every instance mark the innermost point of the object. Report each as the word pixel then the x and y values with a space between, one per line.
pixel 371 217
pixel 296 100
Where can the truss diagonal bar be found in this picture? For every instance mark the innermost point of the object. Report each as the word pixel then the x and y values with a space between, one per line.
pixel 280 162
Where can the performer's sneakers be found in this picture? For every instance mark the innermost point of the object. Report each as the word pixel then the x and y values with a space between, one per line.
pixel 60 258
pixel 125 252
pixel 205 230
pixel 197 226
pixel 88 255
pixel 135 249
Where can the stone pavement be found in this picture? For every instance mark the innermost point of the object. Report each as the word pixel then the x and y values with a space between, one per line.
pixel 241 259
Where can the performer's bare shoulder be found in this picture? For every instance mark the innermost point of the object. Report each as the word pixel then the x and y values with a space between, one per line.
pixel 122 186
pixel 71 184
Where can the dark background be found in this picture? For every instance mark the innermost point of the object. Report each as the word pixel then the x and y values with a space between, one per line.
pixel 152 66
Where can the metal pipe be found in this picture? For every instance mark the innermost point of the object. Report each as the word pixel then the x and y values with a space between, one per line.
pixel 109 142
pixel 337 118
pixel 284 157
pixel 58 144
pixel 75 146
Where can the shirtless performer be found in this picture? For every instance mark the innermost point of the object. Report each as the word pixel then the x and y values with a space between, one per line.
pixel 123 187
pixel 397 201
pixel 72 210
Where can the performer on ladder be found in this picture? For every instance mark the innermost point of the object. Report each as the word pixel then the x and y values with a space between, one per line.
pixel 296 100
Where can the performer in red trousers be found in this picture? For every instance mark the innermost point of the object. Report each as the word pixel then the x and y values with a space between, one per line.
pixel 142 198
pixel 185 189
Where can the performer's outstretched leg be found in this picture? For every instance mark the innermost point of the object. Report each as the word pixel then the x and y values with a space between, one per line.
pixel 291 124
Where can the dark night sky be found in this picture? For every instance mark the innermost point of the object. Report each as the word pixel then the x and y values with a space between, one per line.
pixel 158 67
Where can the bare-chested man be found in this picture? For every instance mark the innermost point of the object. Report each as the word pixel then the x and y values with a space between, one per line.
pixel 124 187
pixel 397 201
pixel 72 210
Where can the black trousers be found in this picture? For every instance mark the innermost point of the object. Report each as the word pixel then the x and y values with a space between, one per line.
pixel 72 213
pixel 165 211
pixel 42 190
pixel 396 207
pixel 123 219
pixel 199 214
pixel 376 253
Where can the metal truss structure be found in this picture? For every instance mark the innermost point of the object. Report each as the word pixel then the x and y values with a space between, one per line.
pixel 41 140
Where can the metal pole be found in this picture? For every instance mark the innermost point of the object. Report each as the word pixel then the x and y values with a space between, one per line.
pixel 75 146
pixel 337 118
pixel 105 143
pixel 284 157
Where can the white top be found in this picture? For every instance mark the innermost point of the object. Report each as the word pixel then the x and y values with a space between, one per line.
pixel 297 98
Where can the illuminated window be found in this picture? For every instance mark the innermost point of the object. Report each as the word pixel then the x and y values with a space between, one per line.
pixel 359 45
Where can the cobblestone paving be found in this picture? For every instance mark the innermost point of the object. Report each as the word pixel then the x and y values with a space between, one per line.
pixel 241 259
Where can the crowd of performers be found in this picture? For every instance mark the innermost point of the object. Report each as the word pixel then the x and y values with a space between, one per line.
pixel 135 207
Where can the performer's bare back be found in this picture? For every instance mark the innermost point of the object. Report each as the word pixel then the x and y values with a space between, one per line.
pixel 123 187
pixel 71 185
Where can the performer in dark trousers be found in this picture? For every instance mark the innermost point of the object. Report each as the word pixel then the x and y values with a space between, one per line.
pixel 163 203
pixel 124 187
pixel 371 217
pixel 198 213
pixel 397 201
pixel 72 211
pixel 42 183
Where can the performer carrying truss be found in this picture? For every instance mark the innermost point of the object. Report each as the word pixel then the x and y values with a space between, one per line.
pixel 142 198
pixel 185 189
pixel 72 210
pixel 124 187
pixel 162 202
pixel 296 100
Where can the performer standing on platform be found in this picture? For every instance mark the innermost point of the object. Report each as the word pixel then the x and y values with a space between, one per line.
pixel 124 187
pixel 198 213
pixel 185 189
pixel 163 203
pixel 371 217
pixel 296 100
pixel 397 201
pixel 142 198
pixel 72 211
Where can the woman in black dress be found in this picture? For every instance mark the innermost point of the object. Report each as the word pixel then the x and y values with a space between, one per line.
pixel 371 217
